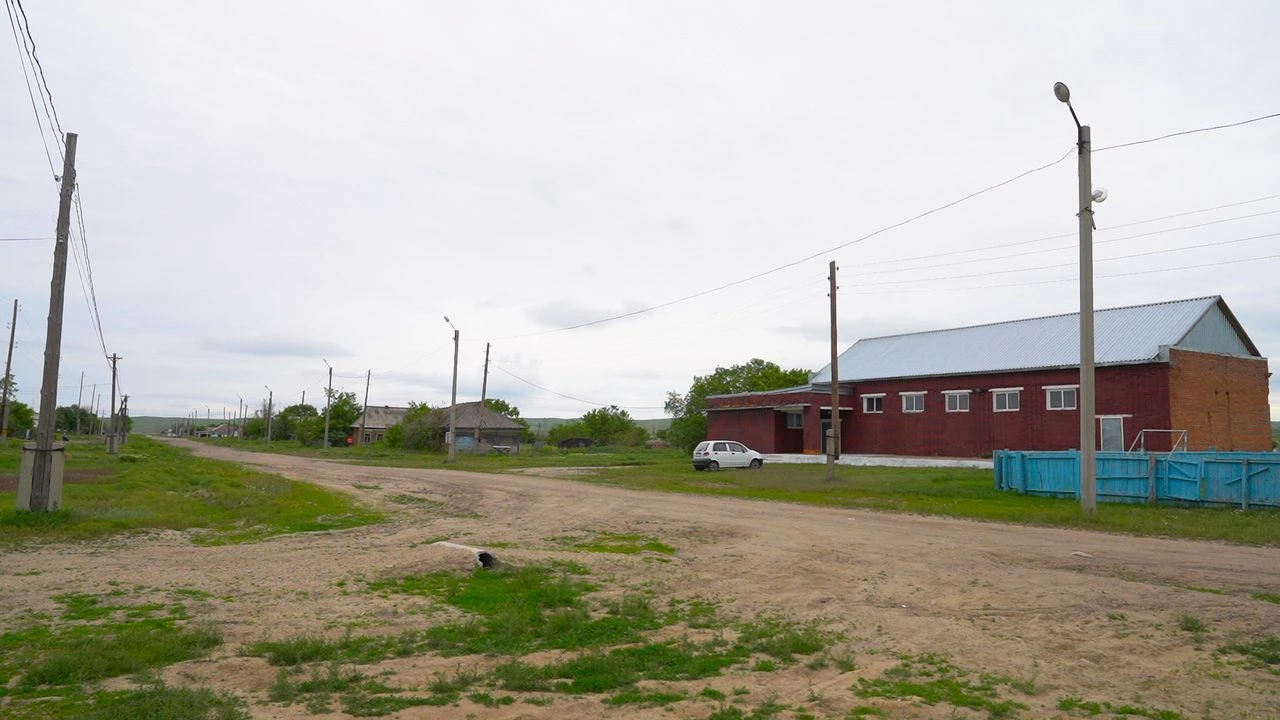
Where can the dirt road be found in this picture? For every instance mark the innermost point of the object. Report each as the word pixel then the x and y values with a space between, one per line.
pixel 1071 613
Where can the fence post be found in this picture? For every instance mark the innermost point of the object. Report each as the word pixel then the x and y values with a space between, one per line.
pixel 1151 479
pixel 1244 486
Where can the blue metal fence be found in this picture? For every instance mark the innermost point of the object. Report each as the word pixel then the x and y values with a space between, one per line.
pixel 1202 478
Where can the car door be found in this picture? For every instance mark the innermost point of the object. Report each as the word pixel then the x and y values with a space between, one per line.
pixel 737 455
pixel 720 453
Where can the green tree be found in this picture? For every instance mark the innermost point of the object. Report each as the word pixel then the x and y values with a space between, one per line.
pixel 9 387
pixel 422 428
pixel 503 407
pixel 21 418
pixel 613 426
pixel 689 410
pixel 564 431
pixel 293 421
pixel 67 415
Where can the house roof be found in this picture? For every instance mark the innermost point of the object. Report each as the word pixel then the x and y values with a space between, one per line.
pixel 1125 335
pixel 469 415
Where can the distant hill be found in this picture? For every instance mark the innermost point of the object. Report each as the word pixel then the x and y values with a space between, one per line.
pixel 543 425
pixel 151 425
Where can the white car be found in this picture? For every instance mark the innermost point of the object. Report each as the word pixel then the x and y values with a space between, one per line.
pixel 715 454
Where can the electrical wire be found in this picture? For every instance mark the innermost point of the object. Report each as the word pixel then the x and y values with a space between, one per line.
pixel 26 239
pixel 22 60
pixel 55 122
pixel 1187 132
pixel 570 397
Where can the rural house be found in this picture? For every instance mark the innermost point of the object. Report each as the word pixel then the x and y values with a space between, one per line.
pixel 1181 372
pixel 496 430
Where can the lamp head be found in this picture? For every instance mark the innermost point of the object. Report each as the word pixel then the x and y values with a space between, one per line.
pixel 1099 195
pixel 1062 92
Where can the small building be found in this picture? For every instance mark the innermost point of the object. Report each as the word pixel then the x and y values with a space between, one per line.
pixel 1181 372
pixel 472 419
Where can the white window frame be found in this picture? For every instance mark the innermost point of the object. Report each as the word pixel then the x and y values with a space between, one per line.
pixel 1015 391
pixel 795 420
pixel 948 394
pixel 913 394
pixel 1048 397
pixel 873 396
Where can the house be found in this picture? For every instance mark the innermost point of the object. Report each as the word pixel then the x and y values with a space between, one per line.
pixel 1179 373
pixel 496 431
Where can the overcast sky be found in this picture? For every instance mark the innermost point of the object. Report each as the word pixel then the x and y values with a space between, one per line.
pixel 270 184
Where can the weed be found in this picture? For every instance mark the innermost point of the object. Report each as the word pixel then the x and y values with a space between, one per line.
pixel 1261 652
pixel 862 711
pixel 156 701
pixel 1117 617
pixel 711 693
pixel 636 696
pixel 1071 704
pixel 932 679
pixel 490 701
pixel 621 543
pixel 1267 597
pixel 1192 624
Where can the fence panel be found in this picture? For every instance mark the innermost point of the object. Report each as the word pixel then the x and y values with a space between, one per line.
pixel 1244 480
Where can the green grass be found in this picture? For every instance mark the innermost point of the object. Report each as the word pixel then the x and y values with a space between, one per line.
pixel 619 543
pixel 167 488
pixel 1267 597
pixel 156 701
pixel 1192 624
pixel 1077 706
pixel 1263 652
pixel 932 680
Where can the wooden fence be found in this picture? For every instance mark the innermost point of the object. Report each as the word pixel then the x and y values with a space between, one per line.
pixel 1237 479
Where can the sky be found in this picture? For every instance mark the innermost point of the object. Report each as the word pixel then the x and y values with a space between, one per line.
pixel 267 187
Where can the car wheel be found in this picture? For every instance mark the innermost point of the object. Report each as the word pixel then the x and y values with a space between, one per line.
pixel 755 464
pixel 699 469
pixel 714 466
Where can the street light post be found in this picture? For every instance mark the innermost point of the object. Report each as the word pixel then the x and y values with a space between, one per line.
pixel 453 399
pixel 1086 403
pixel 328 399
pixel 270 401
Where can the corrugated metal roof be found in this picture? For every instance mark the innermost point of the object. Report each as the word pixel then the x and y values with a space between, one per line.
pixel 469 416
pixel 1121 335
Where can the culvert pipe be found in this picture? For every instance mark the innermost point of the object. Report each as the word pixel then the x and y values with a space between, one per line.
pixel 484 558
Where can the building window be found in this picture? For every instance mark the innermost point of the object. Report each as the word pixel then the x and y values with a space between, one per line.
pixel 957 400
pixel 1061 398
pixel 1006 399
pixel 873 403
pixel 912 402
pixel 366 438
pixel 795 420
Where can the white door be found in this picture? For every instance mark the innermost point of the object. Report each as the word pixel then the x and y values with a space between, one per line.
pixel 737 455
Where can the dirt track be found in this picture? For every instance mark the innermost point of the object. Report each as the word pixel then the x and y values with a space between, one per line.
pixel 1006 600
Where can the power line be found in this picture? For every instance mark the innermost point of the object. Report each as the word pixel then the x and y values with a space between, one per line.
pixel 1188 132
pixel 43 82
pixel 26 239
pixel 22 60
pixel 807 258
pixel 570 397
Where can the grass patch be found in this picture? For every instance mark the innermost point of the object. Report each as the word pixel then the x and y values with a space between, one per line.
pixel 1078 706
pixel 167 488
pixel 156 701
pixel 1267 597
pixel 932 679
pixel 1192 624
pixel 620 543
pixel 1263 652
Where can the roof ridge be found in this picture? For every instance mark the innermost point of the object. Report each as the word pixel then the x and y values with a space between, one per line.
pixel 1039 317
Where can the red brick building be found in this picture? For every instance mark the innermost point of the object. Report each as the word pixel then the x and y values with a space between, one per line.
pixel 1182 370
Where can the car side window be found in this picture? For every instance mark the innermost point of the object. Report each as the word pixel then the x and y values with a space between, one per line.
pixel 721 447
pixel 737 447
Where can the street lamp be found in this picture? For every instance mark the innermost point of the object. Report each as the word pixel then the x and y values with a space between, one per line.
pixel 270 401
pixel 453 400
pixel 1088 437
pixel 328 398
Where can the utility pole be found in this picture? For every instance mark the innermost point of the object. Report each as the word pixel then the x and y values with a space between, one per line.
pixel 112 438
pixel 484 390
pixel 833 441
pixel 44 491
pixel 270 407
pixel 5 381
pixel 328 400
pixel 304 397
pixel 240 416
pixel 124 413
pixel 453 401
pixel 367 377
pixel 79 399
pixel 93 408
pixel 1087 401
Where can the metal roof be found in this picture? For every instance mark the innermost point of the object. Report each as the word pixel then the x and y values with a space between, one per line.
pixel 469 416
pixel 1126 335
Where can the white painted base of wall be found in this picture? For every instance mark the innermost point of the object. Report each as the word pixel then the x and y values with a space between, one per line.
pixel 882 461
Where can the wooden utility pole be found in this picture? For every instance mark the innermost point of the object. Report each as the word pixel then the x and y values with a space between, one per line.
pixel 328 401
pixel 484 390
pixel 45 491
pixel 833 443
pixel 113 438
pixel 79 399
pixel 367 377
pixel 124 413
pixel 93 409
pixel 271 397
pixel 5 381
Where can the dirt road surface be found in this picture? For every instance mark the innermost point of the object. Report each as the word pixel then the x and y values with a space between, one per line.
pixel 1071 613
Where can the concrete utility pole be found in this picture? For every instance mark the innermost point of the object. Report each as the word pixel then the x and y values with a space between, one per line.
pixel 363 413
pixel 1087 400
pixel 453 400
pixel 44 488
pixel 484 390
pixel 240 416
pixel 112 438
pixel 833 442
pixel 79 399
pixel 270 406
pixel 124 413
pixel 93 408
pixel 5 381
pixel 328 400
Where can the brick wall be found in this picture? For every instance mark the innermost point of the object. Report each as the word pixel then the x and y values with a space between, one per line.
pixel 1220 400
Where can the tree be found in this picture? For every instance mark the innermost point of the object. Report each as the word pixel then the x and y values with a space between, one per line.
pixel 422 428
pixel 70 417
pixel 606 426
pixel 689 411
pixel 291 422
pixel 21 418
pixel 503 407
